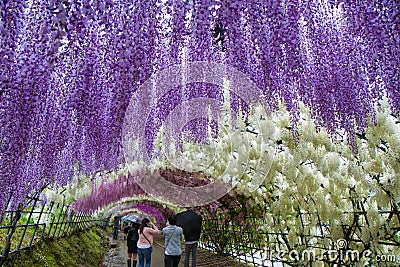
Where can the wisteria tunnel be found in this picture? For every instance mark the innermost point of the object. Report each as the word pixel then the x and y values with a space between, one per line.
pixel 276 121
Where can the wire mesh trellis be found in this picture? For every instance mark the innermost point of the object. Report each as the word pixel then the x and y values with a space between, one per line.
pixel 36 221
pixel 248 235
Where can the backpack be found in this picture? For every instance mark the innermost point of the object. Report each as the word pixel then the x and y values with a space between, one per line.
pixel 133 234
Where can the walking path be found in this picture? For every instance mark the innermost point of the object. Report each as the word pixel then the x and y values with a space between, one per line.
pixel 118 255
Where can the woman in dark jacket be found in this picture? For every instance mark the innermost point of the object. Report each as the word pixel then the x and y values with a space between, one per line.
pixel 132 239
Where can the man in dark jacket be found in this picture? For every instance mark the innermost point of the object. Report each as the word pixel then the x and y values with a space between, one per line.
pixel 191 224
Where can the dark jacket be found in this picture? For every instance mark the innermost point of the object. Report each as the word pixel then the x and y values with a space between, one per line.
pixel 190 234
pixel 133 235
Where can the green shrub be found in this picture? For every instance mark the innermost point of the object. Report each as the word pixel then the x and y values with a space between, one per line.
pixel 85 248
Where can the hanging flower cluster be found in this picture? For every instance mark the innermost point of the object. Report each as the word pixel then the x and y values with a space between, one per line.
pixel 94 195
pixel 142 204
pixel 316 187
pixel 184 178
pixel 108 192
pixel 69 69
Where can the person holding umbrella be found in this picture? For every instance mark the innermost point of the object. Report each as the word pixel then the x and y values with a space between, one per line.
pixel 191 224
pixel 173 236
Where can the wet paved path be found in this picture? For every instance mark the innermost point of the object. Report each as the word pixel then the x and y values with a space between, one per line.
pixel 117 256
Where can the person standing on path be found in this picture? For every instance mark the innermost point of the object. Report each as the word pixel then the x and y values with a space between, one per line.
pixel 131 241
pixel 173 235
pixel 192 232
pixel 115 228
pixel 146 231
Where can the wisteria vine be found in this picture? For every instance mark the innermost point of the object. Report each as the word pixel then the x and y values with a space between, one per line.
pixel 69 69
pixel 107 193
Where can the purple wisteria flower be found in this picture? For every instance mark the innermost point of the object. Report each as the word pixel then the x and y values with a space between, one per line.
pixel 69 69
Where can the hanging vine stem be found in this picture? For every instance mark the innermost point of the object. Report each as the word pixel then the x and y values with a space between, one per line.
pixel 7 203
pixel 10 233
pixel 394 205
pixel 318 216
pixel 348 234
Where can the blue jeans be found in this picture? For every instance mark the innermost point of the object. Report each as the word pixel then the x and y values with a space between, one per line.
pixel 115 233
pixel 144 254
pixel 190 248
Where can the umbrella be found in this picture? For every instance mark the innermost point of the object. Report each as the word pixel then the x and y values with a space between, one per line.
pixel 190 223
pixel 134 217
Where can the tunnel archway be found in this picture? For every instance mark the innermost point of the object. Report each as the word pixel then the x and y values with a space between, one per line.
pixel 289 109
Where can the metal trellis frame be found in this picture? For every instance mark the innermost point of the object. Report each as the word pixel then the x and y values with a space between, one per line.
pixel 21 235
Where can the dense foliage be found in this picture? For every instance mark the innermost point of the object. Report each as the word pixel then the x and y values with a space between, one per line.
pixel 69 69
pixel 316 186
pixel 319 156
pixel 86 248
